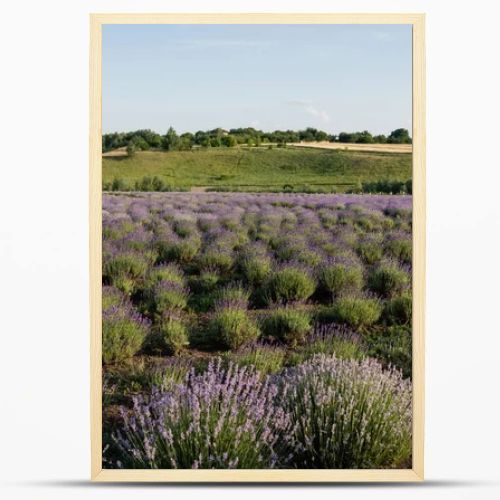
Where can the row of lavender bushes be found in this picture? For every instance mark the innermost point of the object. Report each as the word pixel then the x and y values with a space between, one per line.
pixel 324 413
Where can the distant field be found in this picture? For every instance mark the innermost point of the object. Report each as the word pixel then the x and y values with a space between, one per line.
pixel 259 169
pixel 382 148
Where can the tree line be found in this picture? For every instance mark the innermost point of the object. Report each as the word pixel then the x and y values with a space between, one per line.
pixel 141 140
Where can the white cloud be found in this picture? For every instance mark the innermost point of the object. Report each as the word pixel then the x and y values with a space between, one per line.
pixel 310 108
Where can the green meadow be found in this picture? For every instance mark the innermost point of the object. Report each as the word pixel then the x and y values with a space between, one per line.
pixel 259 169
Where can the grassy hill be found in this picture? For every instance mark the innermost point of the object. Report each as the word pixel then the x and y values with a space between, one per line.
pixel 259 169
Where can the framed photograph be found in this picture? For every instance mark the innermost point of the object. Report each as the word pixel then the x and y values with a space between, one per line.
pixel 257 247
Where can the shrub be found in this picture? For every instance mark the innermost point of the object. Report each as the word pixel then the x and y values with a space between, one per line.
pixel 265 359
pixel 256 268
pixel 388 280
pixel 125 270
pixel 167 272
pixel 369 251
pixel 339 277
pixel 174 335
pixel 168 295
pixel 123 380
pixel 119 184
pixel 211 421
pixel 393 347
pixel 357 312
pixel 232 296
pixel 348 414
pixel 182 250
pixel 330 339
pixel 398 310
pixel 183 228
pixel 232 328
pixel 206 281
pixel 289 284
pixel 400 248
pixel 288 325
pixel 123 333
pixel 111 297
pixel 216 258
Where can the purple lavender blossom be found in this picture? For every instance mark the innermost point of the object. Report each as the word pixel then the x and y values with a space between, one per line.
pixel 218 420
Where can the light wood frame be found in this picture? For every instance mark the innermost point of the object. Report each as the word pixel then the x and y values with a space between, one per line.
pixel 304 475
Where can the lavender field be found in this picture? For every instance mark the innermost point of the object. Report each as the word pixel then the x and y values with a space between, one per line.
pixel 254 331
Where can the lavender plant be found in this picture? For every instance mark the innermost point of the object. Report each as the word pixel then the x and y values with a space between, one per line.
pixel 123 333
pixel 217 420
pixel 388 280
pixel 287 324
pixel 347 414
pixel 357 312
pixel 233 328
pixel 291 282
pixel 341 276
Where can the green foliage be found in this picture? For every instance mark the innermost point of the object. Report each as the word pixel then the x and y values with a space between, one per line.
pixel 400 249
pixel 256 268
pixel 234 295
pixel 266 360
pixel 124 380
pixel 170 272
pixel 131 149
pixel 174 335
pixel 339 279
pixel 124 270
pixel 229 141
pixel 259 169
pixel 214 258
pixel 393 346
pixel 122 335
pixel 388 280
pixel 170 141
pixel 342 348
pixel 288 325
pixel 111 296
pixel 118 184
pixel 348 414
pixel 369 251
pixel 398 311
pixel 182 251
pixel 167 296
pixel 357 312
pixel 386 186
pixel 233 328
pixel 399 136
pixel 206 281
pixel 290 284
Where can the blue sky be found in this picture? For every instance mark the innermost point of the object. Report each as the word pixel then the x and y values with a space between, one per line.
pixel 198 77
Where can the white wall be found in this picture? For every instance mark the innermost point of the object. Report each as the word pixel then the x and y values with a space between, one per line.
pixel 44 450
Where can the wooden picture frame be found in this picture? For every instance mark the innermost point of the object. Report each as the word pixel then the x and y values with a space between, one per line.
pixel 416 473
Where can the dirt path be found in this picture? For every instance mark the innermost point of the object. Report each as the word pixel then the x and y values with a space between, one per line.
pixel 116 152
pixel 381 148
pixel 198 189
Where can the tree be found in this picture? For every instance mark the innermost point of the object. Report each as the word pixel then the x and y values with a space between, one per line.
pixel 364 137
pixel 229 141
pixel 170 140
pixel 345 137
pixel 321 136
pixel 186 141
pixel 380 139
pixel 399 136
pixel 139 143
pixel 131 149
